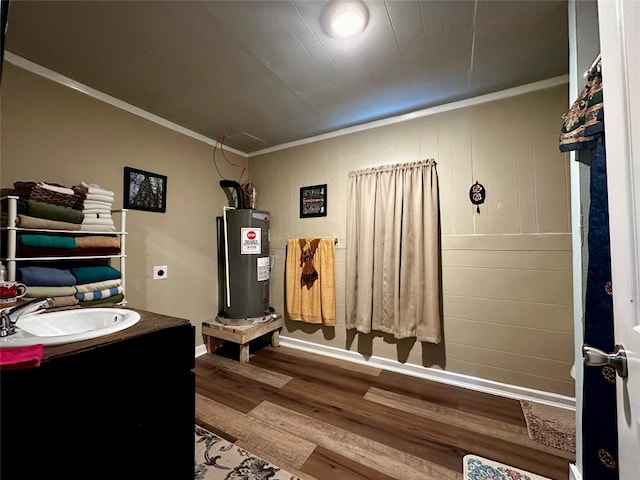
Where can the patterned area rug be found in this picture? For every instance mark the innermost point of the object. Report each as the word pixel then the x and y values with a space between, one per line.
pixel 551 426
pixel 217 459
pixel 478 468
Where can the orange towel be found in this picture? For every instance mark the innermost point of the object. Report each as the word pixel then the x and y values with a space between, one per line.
pixel 316 304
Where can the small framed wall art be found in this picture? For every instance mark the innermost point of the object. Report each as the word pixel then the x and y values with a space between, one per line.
pixel 144 190
pixel 313 201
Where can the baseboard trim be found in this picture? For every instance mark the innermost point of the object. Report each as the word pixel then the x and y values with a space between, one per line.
pixel 465 381
pixel 574 473
pixel 201 350
pixel 450 378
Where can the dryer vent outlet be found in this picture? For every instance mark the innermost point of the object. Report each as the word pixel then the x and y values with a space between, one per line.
pixel 160 272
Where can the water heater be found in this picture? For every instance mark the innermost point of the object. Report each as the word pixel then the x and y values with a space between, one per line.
pixel 243 262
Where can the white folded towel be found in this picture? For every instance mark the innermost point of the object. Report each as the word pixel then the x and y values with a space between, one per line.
pixel 55 188
pixel 94 189
pixel 97 215
pixel 96 211
pixel 94 204
pixel 101 285
pixel 97 228
pixel 99 198
pixel 97 221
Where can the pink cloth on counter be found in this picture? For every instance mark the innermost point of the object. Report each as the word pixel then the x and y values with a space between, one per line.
pixel 21 357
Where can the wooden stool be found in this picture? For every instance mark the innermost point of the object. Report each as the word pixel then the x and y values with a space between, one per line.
pixel 240 334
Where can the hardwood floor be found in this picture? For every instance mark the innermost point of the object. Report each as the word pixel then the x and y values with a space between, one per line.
pixel 326 419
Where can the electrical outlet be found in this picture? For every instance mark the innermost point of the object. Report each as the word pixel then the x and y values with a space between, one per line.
pixel 160 272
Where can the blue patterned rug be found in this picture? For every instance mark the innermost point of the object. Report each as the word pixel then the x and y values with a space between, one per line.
pixel 478 468
pixel 217 459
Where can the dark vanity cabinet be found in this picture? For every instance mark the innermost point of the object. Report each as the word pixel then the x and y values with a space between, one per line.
pixel 119 407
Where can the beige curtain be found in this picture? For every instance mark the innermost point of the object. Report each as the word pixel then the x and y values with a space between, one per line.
pixel 393 251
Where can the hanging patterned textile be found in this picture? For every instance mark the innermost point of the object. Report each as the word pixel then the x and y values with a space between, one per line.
pixel 584 123
pixel 583 130
pixel 308 250
pixel 310 292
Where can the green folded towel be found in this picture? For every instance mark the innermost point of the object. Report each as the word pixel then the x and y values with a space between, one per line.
pixel 47 241
pixel 113 299
pixel 34 208
pixel 95 274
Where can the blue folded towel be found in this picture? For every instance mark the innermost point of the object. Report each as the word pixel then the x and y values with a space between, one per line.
pixel 45 277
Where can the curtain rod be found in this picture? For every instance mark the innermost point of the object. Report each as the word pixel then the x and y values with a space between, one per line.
pixel 593 64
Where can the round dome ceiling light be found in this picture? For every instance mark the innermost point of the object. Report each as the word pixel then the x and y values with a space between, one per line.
pixel 346 18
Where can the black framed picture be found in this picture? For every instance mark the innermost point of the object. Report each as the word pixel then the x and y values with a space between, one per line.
pixel 313 201
pixel 144 190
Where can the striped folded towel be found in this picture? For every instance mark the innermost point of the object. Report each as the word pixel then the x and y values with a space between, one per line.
pixel 98 294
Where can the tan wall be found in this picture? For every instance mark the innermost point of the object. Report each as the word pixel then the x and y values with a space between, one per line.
pixel 53 133
pixel 507 288
pixel 506 271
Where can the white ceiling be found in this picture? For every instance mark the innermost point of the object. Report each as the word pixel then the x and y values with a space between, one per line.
pixel 256 74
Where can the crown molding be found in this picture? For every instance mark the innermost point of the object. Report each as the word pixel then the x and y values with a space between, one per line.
pixel 490 97
pixel 469 102
pixel 32 67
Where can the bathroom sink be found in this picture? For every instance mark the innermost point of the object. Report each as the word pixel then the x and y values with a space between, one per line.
pixel 68 326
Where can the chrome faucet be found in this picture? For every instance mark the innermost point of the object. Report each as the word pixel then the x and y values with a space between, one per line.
pixel 10 316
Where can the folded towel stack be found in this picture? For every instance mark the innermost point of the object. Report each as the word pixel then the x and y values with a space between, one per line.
pixel 46 205
pixel 48 192
pixel 56 221
pixel 49 211
pixel 97 207
pixel 83 286
pixel 52 245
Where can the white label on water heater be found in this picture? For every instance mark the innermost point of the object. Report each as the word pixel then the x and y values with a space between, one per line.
pixel 263 269
pixel 251 238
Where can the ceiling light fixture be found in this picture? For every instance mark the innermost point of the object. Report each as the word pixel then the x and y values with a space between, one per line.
pixel 346 18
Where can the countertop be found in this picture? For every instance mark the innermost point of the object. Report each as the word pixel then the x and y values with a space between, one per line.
pixel 149 322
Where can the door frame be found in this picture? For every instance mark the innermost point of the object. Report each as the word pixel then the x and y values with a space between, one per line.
pixel 608 23
pixel 620 42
